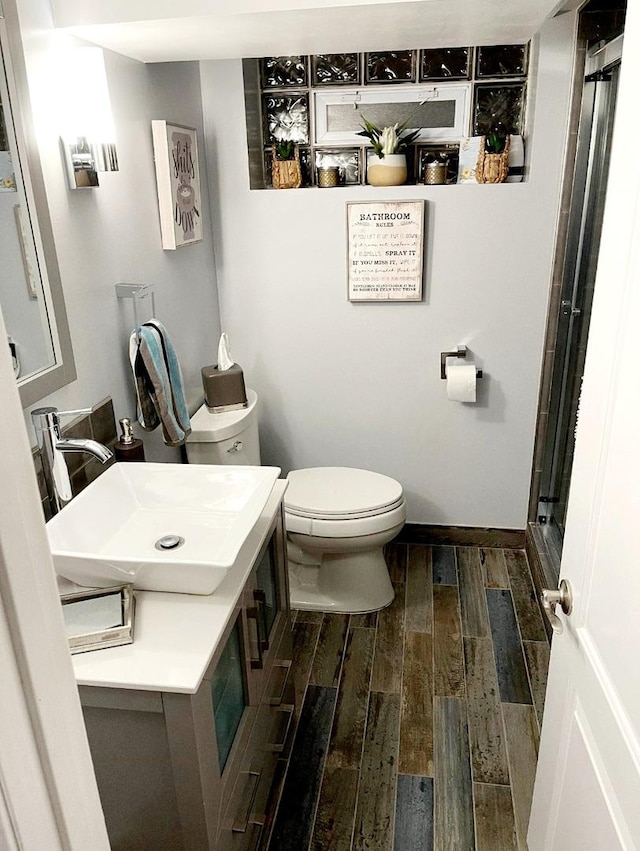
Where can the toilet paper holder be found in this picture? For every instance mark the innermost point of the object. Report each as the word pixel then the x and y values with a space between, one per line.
pixel 460 352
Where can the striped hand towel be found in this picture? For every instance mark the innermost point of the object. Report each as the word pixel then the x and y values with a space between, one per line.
pixel 158 383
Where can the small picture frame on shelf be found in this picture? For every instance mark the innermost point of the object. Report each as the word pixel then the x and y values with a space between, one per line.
pixel 175 149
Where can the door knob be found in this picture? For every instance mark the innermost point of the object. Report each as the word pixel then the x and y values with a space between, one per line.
pixel 550 599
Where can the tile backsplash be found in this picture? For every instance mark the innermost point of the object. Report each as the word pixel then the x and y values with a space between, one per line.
pixel 100 425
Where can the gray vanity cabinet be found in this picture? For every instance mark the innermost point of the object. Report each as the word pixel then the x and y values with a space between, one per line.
pixel 194 772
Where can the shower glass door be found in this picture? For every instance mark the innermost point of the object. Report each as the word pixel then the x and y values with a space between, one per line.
pixel 581 258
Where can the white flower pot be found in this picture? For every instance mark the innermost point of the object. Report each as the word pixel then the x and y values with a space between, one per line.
pixel 391 170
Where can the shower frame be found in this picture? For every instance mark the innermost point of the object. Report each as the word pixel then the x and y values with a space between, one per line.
pixel 571 297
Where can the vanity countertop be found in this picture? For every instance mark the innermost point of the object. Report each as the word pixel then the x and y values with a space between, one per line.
pixel 175 635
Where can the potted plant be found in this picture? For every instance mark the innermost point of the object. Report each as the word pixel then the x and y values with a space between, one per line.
pixel 493 156
pixel 285 165
pixel 389 144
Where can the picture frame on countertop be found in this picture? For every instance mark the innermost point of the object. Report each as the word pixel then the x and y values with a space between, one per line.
pixel 175 149
pixel 385 246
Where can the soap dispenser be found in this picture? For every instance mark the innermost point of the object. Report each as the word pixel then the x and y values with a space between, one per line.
pixel 128 448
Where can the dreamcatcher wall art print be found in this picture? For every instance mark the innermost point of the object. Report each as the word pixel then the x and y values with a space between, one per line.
pixel 175 149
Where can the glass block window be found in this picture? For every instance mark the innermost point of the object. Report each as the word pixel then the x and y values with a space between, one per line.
pixel 281 71
pixel 347 161
pixel 336 69
pixel 287 118
pixel 391 67
pixel 446 63
pixel 498 107
pixel 318 102
pixel 502 60
pixel 448 154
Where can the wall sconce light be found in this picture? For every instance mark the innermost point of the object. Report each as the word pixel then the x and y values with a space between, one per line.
pixel 88 138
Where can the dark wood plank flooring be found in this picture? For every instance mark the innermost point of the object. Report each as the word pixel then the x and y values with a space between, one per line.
pixel 419 725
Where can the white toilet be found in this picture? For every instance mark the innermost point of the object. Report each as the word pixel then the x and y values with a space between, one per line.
pixel 338 519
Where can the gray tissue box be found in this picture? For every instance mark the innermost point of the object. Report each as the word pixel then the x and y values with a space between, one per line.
pixel 224 389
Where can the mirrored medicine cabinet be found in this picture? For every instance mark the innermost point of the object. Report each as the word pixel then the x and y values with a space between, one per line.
pixel 31 296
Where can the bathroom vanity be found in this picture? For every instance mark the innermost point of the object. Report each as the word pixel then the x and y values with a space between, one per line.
pixel 187 724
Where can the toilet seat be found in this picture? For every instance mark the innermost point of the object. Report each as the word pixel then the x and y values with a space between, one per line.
pixel 340 493
pixel 342 502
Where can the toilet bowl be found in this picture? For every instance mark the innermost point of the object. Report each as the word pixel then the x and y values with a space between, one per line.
pixel 338 520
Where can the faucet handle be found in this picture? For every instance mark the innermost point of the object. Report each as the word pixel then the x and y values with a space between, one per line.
pixel 74 412
pixel 45 418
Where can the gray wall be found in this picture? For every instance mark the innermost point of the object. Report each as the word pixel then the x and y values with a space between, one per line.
pixel 112 234
pixel 357 384
pixel 339 383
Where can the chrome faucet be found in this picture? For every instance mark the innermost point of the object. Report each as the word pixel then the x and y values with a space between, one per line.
pixel 53 447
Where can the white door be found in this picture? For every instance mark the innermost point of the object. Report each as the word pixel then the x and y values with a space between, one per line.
pixel 587 792
pixel 48 793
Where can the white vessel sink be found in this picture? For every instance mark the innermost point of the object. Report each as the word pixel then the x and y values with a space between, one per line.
pixel 109 533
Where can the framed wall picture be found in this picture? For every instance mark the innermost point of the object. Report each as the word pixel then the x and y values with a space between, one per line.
pixel 384 250
pixel 175 149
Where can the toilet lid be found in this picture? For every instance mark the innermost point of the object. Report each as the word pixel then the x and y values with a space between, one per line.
pixel 340 492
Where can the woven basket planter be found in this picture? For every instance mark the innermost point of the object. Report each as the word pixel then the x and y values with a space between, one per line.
pixel 286 174
pixel 493 168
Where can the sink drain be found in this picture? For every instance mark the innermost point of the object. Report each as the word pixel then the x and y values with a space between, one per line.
pixel 169 542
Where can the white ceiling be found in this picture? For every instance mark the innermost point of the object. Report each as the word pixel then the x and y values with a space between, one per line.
pixel 150 30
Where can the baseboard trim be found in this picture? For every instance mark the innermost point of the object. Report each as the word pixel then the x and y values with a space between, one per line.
pixel 462 536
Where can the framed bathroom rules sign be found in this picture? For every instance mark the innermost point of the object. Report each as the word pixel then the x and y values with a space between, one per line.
pixel 384 250
pixel 175 150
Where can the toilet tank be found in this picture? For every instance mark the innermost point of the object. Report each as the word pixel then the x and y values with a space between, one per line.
pixel 227 438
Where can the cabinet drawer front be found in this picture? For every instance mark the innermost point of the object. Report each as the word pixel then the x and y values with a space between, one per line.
pixel 247 811
pixel 248 841
pixel 278 688
pixel 281 729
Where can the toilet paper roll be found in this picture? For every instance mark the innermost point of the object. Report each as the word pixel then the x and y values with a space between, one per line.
pixel 461 383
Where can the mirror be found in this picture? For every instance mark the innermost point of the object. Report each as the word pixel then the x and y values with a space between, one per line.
pixel 31 296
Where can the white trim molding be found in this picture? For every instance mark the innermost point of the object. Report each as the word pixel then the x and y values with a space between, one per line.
pixel 47 783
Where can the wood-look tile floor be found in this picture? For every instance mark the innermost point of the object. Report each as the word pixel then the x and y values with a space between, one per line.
pixel 419 725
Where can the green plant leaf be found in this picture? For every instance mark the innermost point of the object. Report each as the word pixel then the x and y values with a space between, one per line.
pixel 495 141
pixel 410 137
pixel 285 149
